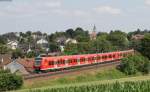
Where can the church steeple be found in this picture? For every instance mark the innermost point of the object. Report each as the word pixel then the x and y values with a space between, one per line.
pixel 94 28
pixel 93 34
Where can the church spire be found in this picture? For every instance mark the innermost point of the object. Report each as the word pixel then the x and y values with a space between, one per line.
pixel 94 28
pixel 93 34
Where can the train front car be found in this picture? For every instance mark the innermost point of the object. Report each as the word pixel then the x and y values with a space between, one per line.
pixel 37 64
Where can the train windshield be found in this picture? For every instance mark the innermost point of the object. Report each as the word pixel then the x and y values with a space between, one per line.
pixel 38 61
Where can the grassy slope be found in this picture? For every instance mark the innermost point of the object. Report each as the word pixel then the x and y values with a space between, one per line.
pixel 87 76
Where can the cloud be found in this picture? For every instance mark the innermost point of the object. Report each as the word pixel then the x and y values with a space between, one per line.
pixel 60 12
pixel 51 4
pixel 29 9
pixel 107 9
pixel 80 13
pixel 71 13
pixel 147 2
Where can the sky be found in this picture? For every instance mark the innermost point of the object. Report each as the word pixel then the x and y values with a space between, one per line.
pixel 58 15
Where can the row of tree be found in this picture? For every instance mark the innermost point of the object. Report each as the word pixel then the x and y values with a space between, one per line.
pixel 104 42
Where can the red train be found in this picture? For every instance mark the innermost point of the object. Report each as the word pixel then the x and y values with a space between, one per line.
pixel 43 63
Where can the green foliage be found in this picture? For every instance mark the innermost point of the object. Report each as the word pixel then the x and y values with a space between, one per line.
pixel 145 45
pixel 118 39
pixel 53 47
pixel 9 81
pixel 31 54
pixel 3 49
pixel 71 49
pixel 135 44
pixel 135 63
pixel 101 45
pixel 3 40
pixel 17 53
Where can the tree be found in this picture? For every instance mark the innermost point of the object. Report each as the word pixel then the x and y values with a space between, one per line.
pixel 53 47
pixel 118 39
pixel 81 38
pixel 84 47
pixel 135 44
pixel 9 81
pixel 101 45
pixel 145 45
pixel 3 49
pixel 70 33
pixel 71 49
pixel 17 53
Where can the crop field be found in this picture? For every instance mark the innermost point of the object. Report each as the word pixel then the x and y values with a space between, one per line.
pixel 131 84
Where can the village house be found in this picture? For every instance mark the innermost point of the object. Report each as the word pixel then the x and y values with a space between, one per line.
pixel 12 44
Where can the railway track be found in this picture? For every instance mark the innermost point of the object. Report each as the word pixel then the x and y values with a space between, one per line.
pixel 88 67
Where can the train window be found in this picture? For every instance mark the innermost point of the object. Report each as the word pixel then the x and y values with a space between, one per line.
pixel 75 60
pixel 99 57
pixel 61 62
pixel 69 61
pixel 110 56
pixel 89 59
pixel 83 59
pixel 93 58
pixel 51 63
pixel 114 56
pixel 104 57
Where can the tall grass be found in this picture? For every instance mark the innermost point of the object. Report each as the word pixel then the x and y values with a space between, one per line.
pixel 139 86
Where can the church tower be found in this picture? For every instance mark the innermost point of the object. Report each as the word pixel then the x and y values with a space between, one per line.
pixel 93 34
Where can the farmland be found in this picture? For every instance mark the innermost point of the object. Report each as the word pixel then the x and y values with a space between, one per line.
pixel 131 84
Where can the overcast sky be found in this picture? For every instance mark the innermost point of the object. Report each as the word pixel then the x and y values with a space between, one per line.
pixel 58 15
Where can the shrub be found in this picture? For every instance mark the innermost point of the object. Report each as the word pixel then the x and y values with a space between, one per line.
pixel 30 54
pixel 135 63
pixel 10 81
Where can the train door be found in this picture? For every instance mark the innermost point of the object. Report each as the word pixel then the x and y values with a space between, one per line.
pixel 89 60
pixel 74 62
pixel 110 57
pixel 99 58
pixel 82 60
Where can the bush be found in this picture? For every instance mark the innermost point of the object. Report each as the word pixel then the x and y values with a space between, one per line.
pixel 17 53
pixel 135 63
pixel 145 45
pixel 9 81
pixel 30 54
